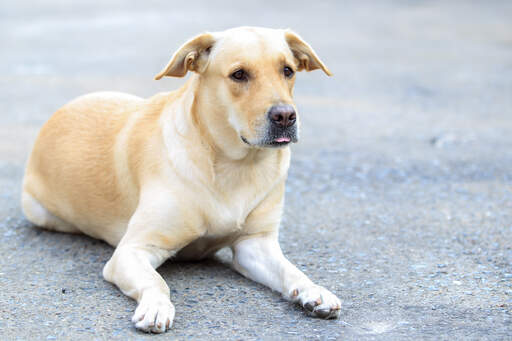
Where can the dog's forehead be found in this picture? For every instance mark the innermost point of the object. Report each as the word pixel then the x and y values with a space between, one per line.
pixel 252 42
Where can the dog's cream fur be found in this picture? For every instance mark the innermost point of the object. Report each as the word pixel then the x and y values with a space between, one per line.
pixel 171 175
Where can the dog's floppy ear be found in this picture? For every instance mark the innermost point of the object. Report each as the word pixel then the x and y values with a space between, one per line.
pixel 192 56
pixel 303 53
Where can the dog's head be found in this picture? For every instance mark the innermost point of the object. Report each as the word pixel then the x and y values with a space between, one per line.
pixel 248 74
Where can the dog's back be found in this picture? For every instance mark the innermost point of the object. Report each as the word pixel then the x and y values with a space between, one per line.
pixel 82 139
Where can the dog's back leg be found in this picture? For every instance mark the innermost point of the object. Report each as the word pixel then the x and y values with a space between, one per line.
pixel 38 215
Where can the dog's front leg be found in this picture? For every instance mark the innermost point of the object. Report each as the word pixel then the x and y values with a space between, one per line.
pixel 155 232
pixel 258 256
pixel 260 259
pixel 132 270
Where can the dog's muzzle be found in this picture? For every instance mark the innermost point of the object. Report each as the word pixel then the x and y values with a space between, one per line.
pixel 282 125
pixel 280 128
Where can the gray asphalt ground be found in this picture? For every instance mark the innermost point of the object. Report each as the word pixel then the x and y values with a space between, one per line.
pixel 399 196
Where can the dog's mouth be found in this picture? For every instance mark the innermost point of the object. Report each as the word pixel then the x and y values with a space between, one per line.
pixel 284 139
pixel 278 136
pixel 245 140
pixel 279 141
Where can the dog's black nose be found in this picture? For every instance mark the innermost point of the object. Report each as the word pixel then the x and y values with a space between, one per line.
pixel 282 115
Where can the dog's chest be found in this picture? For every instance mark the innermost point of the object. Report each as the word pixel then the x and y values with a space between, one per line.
pixel 238 192
pixel 229 210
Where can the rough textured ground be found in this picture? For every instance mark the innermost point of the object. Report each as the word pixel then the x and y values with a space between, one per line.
pixel 399 196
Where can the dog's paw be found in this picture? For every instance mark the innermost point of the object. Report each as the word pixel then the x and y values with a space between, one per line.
pixel 317 301
pixel 154 314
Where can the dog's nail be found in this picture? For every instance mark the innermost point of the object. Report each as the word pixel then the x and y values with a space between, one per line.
pixel 323 313
pixel 318 301
pixel 141 318
pixel 309 306
pixel 295 293
pixel 159 325
pixel 334 314
pixel 167 324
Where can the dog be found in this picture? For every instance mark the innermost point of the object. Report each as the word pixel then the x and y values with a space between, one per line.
pixel 185 173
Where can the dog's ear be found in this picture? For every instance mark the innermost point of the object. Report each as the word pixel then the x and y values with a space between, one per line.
pixel 305 56
pixel 192 56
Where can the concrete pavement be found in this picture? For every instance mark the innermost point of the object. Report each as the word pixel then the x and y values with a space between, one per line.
pixel 399 197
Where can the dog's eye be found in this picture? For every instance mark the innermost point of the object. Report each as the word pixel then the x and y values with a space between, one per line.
pixel 240 76
pixel 288 72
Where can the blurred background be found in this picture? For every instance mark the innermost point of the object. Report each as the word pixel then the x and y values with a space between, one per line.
pixel 399 195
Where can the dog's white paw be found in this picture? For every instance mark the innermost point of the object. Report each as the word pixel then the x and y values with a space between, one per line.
pixel 318 301
pixel 154 313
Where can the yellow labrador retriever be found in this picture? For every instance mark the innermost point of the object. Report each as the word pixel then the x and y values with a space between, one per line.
pixel 182 174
